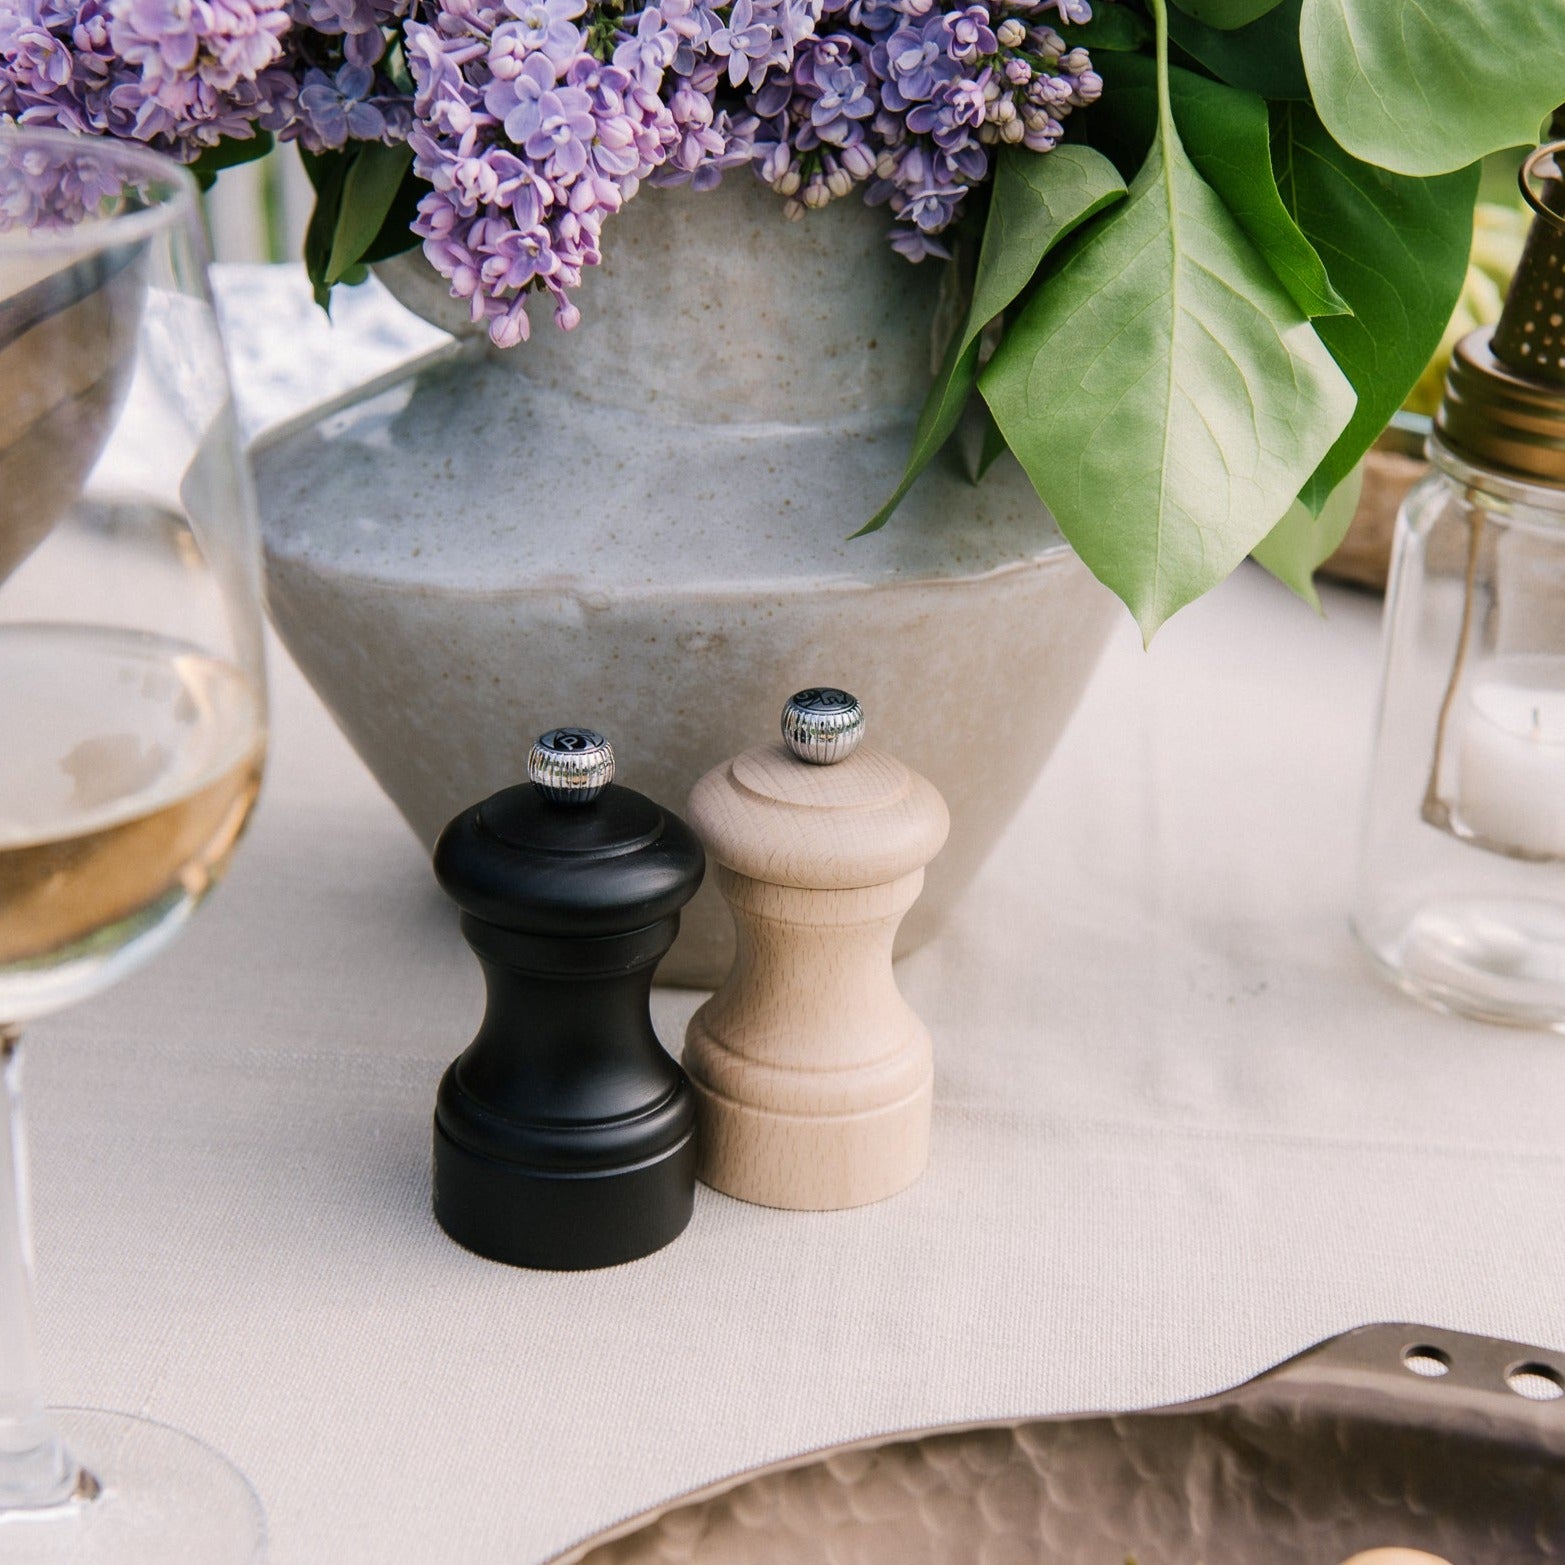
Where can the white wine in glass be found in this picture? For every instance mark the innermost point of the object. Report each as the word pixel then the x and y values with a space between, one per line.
pixel 132 735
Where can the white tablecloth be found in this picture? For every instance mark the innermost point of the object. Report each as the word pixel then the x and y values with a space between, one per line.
pixel 1181 1131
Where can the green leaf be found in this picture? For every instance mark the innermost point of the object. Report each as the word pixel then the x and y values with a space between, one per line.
pixel 229 153
pixel 937 421
pixel 1163 391
pixel 1036 201
pixel 396 233
pixel 327 171
pixel 1226 14
pixel 1227 135
pixel 370 186
pixel 1303 541
pixel 1112 27
pixel 1264 57
pixel 1423 88
pixel 1396 249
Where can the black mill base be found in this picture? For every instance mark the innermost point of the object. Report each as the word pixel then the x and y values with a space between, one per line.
pixel 564 1132
pixel 525 1215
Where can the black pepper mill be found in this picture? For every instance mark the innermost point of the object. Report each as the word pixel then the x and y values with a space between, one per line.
pixel 564 1133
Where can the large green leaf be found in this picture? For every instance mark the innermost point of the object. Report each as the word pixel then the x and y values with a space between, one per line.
pixel 1227 135
pixel 373 179
pixel 1226 13
pixel 1036 201
pixel 1164 392
pixel 1263 57
pixel 1303 540
pixel 1396 249
pixel 1426 88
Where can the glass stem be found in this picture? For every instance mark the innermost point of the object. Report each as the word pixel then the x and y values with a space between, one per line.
pixel 35 1470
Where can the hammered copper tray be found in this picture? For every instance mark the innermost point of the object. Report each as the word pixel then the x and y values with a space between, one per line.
pixel 1387 1436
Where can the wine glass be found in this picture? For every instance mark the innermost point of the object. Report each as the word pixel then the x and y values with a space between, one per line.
pixel 132 733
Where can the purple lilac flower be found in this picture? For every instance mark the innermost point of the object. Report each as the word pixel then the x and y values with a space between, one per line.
pixel 533 121
pixel 182 75
pixel 178 74
pixel 945 86
pixel 337 107
pixel 189 55
pixel 969 35
pixel 544 25
pixel 529 141
pixel 759 37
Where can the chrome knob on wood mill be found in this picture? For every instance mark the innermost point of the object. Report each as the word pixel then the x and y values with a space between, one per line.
pixel 813 1076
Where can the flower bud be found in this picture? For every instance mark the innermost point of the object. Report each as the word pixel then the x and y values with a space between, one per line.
pixel 816 195
pixel 858 160
pixel 789 184
pixel 1018 72
pixel 1004 112
pixel 988 133
pixel 1012 131
pixel 793 209
pixel 1077 61
pixel 886 166
pixel 839 182
pixel 991 90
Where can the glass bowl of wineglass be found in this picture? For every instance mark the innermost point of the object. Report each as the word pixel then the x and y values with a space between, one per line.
pixel 132 733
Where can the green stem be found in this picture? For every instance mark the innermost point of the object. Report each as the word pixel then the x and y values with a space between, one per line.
pixel 1165 108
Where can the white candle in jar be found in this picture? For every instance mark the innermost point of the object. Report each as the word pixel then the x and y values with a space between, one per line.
pixel 1511 766
pixel 1395 1557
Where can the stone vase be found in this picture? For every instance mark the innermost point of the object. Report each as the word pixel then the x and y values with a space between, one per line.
pixel 643 526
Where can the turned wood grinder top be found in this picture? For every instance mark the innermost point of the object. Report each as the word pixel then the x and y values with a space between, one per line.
pixel 563 859
pixel 823 813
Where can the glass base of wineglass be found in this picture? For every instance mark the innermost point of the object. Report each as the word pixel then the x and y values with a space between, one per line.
pixel 150 1496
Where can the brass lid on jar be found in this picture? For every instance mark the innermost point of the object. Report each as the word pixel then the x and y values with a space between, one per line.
pixel 1504 403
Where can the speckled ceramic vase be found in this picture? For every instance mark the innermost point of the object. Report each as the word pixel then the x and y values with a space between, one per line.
pixel 642 526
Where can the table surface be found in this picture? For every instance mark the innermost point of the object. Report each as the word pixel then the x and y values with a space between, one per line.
pixel 1181 1131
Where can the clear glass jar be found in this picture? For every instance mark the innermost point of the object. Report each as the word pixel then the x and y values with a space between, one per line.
pixel 1461 892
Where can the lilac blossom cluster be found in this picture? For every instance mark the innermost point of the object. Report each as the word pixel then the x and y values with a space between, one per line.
pixel 338 56
pixel 535 120
pixel 184 75
pixel 908 99
pixel 179 75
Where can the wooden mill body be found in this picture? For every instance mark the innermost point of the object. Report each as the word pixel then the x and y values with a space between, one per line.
pixel 813 1076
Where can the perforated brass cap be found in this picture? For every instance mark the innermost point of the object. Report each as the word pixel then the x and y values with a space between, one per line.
pixel 1504 404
